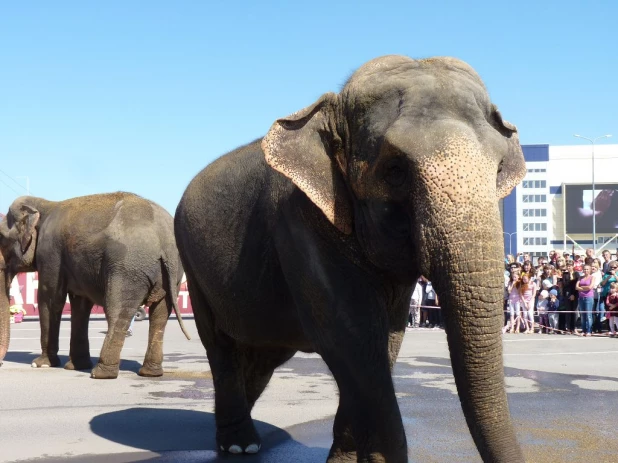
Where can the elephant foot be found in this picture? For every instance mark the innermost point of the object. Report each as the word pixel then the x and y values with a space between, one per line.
pixel 105 371
pixel 78 364
pixel 241 438
pixel 151 371
pixel 46 361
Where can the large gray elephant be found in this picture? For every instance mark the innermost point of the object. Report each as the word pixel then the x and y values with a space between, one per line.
pixel 310 239
pixel 116 250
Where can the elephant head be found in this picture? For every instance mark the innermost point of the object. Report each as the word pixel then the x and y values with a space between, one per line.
pixel 18 237
pixel 412 158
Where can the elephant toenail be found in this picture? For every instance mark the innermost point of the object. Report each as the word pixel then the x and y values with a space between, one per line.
pixel 33 365
pixel 235 449
pixel 253 448
pixel 44 366
pixel 222 448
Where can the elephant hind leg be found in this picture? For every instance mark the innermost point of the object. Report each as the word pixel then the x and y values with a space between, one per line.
pixel 240 375
pixel 119 314
pixel 232 415
pixel 79 353
pixel 236 432
pixel 158 314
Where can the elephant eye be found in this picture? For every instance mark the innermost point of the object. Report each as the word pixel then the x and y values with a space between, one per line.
pixel 394 173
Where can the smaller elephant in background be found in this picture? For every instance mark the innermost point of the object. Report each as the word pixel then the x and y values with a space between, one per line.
pixel 115 250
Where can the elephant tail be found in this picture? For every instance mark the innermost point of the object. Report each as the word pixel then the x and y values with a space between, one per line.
pixel 173 292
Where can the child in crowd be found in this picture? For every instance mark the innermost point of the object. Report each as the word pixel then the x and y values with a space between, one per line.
pixel 611 303
pixel 513 304
pixel 552 310
pixel 541 307
pixel 527 291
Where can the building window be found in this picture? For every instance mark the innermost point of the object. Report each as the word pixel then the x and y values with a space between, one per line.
pixel 535 212
pixel 534 227
pixel 536 241
pixel 534 198
pixel 534 184
pixel 536 170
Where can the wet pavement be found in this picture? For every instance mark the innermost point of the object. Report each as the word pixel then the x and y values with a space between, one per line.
pixel 563 394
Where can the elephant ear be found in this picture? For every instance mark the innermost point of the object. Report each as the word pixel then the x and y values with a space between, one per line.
pixel 306 148
pixel 26 226
pixel 513 165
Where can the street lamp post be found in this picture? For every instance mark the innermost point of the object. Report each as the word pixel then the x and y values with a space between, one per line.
pixel 510 236
pixel 594 209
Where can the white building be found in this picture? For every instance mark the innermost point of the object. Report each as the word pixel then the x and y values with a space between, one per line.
pixel 552 207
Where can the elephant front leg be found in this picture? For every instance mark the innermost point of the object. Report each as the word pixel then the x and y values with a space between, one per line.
pixel 368 425
pixel 50 315
pixel 79 354
pixel 344 446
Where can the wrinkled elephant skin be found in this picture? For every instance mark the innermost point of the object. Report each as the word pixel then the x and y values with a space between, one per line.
pixel 311 239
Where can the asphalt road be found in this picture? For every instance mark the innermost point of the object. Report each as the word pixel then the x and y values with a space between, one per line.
pixel 563 392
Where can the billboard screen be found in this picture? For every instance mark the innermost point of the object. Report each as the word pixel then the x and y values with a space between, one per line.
pixel 578 208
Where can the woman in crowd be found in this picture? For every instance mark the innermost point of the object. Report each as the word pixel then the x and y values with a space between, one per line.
pixel 567 317
pixel 597 309
pixel 586 299
pixel 561 265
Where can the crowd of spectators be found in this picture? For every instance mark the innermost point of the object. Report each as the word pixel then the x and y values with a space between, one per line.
pixel 561 293
pixel 568 293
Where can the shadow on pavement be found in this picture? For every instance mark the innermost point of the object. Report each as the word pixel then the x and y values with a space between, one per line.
pixel 187 435
pixel 26 358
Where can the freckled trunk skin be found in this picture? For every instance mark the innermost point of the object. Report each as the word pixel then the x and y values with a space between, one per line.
pixel 462 255
pixel 5 316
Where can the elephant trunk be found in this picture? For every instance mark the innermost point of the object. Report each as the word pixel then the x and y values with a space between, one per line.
pixel 5 315
pixel 462 254
pixel 472 301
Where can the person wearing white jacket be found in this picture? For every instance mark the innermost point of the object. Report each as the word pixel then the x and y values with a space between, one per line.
pixel 415 304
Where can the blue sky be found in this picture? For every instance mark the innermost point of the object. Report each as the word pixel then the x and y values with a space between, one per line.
pixel 139 96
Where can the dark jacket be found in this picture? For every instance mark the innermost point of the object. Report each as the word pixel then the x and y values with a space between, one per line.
pixel 568 285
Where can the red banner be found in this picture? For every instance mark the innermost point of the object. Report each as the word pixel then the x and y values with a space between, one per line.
pixel 24 289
